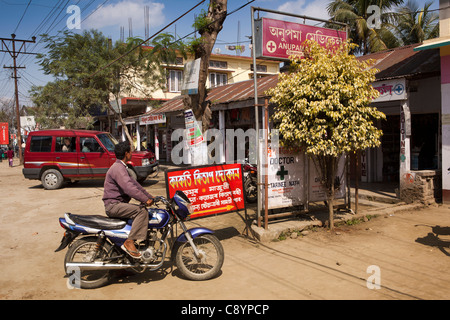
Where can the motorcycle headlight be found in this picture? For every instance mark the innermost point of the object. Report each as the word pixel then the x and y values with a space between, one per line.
pixel 190 208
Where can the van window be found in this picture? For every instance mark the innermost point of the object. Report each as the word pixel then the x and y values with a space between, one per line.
pixel 65 144
pixel 108 141
pixel 89 144
pixel 41 144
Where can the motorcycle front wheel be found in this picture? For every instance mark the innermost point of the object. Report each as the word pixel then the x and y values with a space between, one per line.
pixel 207 265
pixel 83 250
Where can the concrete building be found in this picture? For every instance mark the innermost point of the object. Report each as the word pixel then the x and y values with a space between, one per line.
pixel 442 44
pixel 224 70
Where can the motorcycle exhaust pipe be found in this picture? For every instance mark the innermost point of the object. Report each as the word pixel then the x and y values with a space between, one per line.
pixel 83 266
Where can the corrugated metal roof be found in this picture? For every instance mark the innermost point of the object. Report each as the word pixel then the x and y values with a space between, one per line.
pixel 405 62
pixel 232 92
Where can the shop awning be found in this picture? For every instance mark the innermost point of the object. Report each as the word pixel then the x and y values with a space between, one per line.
pixel 434 43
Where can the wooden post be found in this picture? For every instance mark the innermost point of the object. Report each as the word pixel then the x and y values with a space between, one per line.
pixel 357 174
pixel 266 166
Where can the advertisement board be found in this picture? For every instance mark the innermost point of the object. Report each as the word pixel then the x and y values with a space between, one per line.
pixel 152 119
pixel 211 189
pixel 194 133
pixel 294 180
pixel 390 90
pixel 317 191
pixel 277 39
pixel 190 77
pixel 286 178
pixel 4 133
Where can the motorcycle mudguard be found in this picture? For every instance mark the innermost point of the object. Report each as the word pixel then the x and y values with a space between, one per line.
pixel 67 239
pixel 195 232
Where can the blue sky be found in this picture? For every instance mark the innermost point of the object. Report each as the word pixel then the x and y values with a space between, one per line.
pixel 28 18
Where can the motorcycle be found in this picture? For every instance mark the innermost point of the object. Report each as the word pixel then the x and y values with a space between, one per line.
pixel 250 182
pixel 89 261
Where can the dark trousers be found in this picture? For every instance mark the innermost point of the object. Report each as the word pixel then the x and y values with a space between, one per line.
pixel 138 213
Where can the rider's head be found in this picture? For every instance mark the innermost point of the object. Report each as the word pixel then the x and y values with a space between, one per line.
pixel 121 148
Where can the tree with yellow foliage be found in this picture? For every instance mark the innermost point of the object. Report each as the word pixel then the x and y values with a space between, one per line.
pixel 323 105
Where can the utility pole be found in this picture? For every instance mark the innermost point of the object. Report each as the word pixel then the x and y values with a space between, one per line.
pixel 14 54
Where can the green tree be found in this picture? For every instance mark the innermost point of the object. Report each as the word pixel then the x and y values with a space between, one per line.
pixel 71 58
pixel 322 105
pixel 415 25
pixel 356 14
pixel 90 71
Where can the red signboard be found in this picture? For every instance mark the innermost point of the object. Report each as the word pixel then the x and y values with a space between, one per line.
pixel 4 134
pixel 211 189
pixel 277 39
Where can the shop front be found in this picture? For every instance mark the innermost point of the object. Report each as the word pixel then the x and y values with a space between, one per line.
pixel 410 145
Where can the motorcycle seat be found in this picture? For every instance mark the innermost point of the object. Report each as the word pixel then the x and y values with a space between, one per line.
pixel 98 222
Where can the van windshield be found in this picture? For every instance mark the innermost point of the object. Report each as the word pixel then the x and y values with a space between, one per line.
pixel 108 141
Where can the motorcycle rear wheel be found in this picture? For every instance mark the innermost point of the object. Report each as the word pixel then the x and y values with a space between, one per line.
pixel 208 265
pixel 251 190
pixel 83 250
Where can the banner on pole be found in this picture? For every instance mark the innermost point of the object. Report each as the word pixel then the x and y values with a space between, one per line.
pixel 4 133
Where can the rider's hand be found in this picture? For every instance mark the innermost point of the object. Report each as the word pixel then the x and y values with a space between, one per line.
pixel 149 202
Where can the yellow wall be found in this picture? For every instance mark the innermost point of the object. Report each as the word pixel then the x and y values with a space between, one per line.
pixel 238 69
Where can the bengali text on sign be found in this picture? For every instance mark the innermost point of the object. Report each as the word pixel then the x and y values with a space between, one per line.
pixel 211 189
pixel 277 39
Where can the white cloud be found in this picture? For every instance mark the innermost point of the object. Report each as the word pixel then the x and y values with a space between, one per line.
pixel 117 15
pixel 313 9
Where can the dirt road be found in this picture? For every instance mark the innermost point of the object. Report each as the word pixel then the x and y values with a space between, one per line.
pixel 406 254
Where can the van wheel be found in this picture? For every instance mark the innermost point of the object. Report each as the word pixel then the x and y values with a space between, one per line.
pixel 52 179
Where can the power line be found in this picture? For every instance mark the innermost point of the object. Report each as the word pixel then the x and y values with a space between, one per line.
pixel 57 7
pixel 143 42
pixel 22 16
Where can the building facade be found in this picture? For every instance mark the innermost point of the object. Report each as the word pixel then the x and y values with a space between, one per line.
pixel 442 44
pixel 224 70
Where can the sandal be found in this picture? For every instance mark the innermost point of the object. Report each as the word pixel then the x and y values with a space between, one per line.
pixel 133 253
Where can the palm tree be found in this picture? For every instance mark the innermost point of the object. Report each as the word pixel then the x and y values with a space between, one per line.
pixel 414 25
pixel 354 13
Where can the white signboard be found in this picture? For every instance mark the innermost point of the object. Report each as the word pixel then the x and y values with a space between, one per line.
pixel 286 178
pixel 194 137
pixel 317 191
pixel 190 77
pixel 152 119
pixel 27 123
pixel 390 90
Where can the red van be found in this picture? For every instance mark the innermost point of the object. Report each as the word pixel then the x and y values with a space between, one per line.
pixel 55 156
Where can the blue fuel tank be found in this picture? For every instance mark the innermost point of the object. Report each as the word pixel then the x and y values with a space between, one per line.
pixel 158 218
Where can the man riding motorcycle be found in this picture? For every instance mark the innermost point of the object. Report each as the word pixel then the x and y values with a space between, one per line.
pixel 119 188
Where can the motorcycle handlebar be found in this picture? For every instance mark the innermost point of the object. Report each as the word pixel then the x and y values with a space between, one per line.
pixel 160 199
